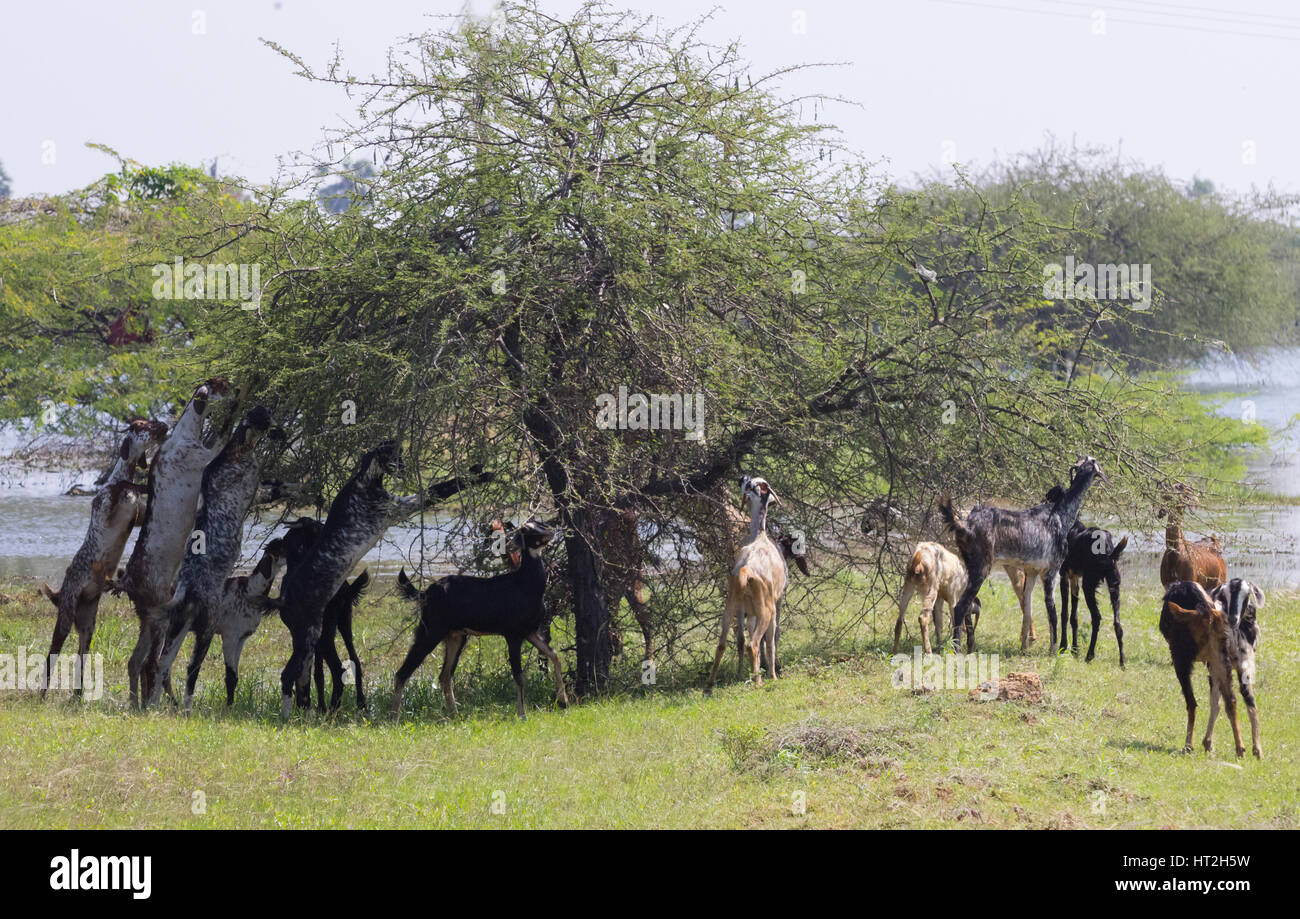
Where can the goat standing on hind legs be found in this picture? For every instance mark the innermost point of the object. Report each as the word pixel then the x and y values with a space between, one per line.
pixel 755 586
pixel 175 482
pixel 118 506
pixel 1220 630
pixel 1032 540
pixel 1200 561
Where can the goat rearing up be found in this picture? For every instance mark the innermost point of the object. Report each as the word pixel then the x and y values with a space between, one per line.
pixel 1184 560
pixel 1032 540
pixel 509 605
pixel 755 585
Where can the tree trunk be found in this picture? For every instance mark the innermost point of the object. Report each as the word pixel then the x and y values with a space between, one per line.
pixel 590 611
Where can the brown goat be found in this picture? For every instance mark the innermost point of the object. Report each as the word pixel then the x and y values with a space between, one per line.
pixel 1200 561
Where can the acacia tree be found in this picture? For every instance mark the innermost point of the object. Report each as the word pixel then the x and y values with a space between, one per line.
pixel 567 206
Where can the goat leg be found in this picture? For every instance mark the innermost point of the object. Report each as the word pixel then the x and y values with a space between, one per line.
pixel 728 611
pixel 536 640
pixel 1112 585
pixel 1183 669
pixel 1208 741
pixel 517 671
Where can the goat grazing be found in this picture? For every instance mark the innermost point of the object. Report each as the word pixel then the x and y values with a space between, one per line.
pixel 755 585
pixel 458 606
pixel 118 506
pixel 940 577
pixel 175 480
pixel 357 518
pixel 337 617
pixel 1032 540
pixel 229 485
pixel 1220 630
pixel 1200 561
pixel 1092 555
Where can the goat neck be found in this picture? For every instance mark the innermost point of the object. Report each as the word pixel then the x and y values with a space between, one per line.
pixel 1068 508
pixel 757 515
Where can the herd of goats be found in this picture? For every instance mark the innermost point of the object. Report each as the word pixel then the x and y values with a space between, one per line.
pixel 206 484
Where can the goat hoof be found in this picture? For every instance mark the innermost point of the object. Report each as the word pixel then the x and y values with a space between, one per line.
pixel 1241 751
pixel 1187 748
pixel 1259 753
pixel 1208 745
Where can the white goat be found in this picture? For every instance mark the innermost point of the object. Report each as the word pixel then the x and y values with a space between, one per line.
pixel 940 576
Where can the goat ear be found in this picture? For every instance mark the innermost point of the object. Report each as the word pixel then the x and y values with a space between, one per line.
pixel 1174 607
pixel 1258 594
pixel 125 450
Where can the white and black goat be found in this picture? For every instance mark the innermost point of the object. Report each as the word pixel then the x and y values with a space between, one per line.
pixel 175 481
pixel 1220 629
pixel 229 485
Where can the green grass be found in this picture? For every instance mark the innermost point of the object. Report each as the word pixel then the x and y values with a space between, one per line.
pixel 1101 751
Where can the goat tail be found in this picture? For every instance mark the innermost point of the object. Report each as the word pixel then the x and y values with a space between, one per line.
pixel 1116 552
pixel 52 594
pixel 950 516
pixel 404 585
pixel 359 583
pixel 916 570
pixel 743 577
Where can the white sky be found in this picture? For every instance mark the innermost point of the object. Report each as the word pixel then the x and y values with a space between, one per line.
pixel 1183 84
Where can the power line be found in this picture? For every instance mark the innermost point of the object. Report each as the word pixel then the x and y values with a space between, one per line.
pixel 1233 20
pixel 1140 22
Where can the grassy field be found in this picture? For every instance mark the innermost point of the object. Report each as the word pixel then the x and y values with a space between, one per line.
pixel 832 744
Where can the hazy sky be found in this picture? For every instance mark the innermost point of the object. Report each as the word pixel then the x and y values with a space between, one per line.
pixel 1188 85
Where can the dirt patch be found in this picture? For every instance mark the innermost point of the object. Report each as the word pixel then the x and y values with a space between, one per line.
pixel 1014 687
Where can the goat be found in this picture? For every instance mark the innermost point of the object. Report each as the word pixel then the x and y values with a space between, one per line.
pixel 338 616
pixel 1200 561
pixel 458 606
pixel 357 518
pixel 302 535
pixel 175 480
pixel 118 507
pixel 1091 555
pixel 755 585
pixel 940 576
pixel 244 603
pixel 229 486
pixel 1031 540
pixel 1220 630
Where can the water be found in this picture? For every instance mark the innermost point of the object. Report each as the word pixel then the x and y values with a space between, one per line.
pixel 40 528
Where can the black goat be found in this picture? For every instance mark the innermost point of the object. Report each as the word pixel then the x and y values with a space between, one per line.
pixel 1092 556
pixel 302 536
pixel 358 516
pixel 458 606
pixel 1032 540
pixel 338 615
